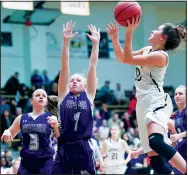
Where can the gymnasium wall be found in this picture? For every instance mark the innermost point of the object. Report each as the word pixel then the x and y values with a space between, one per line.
pixel 31 50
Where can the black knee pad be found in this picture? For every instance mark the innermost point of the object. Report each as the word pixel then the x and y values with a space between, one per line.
pixel 159 165
pixel 156 142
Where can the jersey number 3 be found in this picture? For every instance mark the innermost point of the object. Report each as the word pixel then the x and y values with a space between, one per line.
pixel 34 142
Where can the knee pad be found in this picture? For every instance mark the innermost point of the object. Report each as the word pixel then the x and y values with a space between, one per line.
pixel 159 165
pixel 156 142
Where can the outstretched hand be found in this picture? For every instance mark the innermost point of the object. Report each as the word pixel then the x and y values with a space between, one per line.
pixel 95 34
pixel 67 30
pixel 112 29
pixel 133 25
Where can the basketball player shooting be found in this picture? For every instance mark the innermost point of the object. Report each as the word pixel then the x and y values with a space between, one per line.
pixel 154 107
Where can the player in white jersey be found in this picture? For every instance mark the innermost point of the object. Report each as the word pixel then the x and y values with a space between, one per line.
pixel 113 151
pixel 154 107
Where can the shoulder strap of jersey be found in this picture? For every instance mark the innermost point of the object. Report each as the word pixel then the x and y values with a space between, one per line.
pixel 23 116
pixel 147 50
pixel 60 100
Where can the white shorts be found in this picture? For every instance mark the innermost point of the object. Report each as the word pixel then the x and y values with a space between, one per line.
pixel 115 169
pixel 156 108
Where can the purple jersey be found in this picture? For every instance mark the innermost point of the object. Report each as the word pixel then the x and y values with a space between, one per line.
pixel 36 137
pixel 181 126
pixel 75 118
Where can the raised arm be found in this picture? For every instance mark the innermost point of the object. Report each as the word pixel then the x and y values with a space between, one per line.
pixel 65 72
pixel 10 133
pixel 153 59
pixel 92 73
pixel 113 32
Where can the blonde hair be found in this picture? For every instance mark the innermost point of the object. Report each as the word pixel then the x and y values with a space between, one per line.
pixel 183 87
pixel 83 78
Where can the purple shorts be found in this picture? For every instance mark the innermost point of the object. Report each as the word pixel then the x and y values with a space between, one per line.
pixel 75 158
pixel 36 166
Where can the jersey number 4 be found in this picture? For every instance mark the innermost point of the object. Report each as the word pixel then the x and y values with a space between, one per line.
pixel 34 142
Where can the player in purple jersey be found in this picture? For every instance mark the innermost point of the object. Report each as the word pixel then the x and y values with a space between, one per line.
pixel 38 128
pixel 180 121
pixel 75 150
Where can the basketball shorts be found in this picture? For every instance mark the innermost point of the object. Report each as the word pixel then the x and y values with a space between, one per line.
pixel 153 108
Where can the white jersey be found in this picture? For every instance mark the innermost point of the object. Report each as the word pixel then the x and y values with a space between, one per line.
pixel 150 79
pixel 114 152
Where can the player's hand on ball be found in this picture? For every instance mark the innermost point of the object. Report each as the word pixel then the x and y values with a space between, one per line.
pixel 6 136
pixel 67 30
pixel 95 34
pixel 132 26
pixel 52 120
pixel 112 30
pixel 175 137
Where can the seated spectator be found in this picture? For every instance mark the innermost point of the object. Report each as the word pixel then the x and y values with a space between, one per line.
pixel 6 120
pixel 132 105
pixel 126 138
pixel 119 94
pixel 12 85
pixel 104 129
pixel 4 106
pixel 13 105
pixel 104 112
pixel 4 169
pixel 125 119
pixel 136 132
pixel 22 103
pixel 36 79
pixel 114 120
pixel 54 90
pixel 121 125
pixel 33 88
pixel 15 166
pixel 131 135
pixel 95 129
pixel 23 90
pixel 105 94
pixel 8 158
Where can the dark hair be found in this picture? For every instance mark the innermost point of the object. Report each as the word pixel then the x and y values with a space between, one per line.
pixel 52 105
pixel 175 35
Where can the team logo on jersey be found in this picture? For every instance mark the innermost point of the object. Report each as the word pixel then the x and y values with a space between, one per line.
pixel 180 121
pixel 84 172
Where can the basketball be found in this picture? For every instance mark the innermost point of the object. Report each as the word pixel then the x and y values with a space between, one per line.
pixel 124 11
